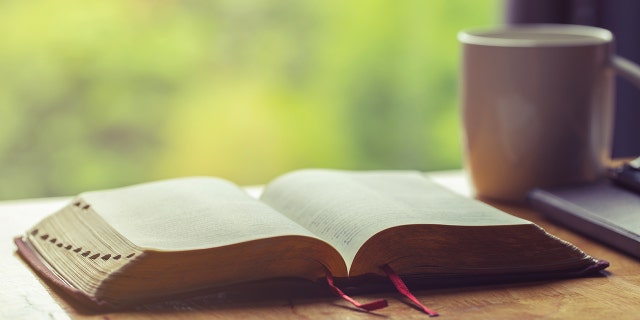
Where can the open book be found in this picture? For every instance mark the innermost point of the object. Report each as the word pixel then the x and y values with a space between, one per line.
pixel 159 239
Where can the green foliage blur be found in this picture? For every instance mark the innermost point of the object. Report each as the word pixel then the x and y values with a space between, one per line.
pixel 99 94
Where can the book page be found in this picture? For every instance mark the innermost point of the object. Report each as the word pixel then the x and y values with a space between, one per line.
pixel 188 214
pixel 346 208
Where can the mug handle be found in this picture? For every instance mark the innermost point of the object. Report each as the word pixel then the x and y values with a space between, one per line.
pixel 626 68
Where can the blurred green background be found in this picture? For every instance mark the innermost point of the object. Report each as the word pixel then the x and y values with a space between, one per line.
pixel 99 94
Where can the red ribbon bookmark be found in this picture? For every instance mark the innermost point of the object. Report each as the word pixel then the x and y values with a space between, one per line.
pixel 373 305
pixel 402 288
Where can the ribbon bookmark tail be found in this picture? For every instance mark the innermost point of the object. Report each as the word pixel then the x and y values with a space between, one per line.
pixel 402 288
pixel 370 306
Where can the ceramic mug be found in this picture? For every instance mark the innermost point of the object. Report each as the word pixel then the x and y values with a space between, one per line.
pixel 537 106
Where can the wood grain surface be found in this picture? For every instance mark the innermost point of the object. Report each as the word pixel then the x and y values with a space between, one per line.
pixel 613 296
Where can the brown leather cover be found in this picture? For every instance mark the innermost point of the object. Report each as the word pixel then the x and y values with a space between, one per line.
pixel 353 286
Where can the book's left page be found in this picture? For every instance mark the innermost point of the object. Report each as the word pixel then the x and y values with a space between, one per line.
pixel 174 236
pixel 189 214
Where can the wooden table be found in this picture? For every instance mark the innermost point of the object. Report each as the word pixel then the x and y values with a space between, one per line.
pixel 614 296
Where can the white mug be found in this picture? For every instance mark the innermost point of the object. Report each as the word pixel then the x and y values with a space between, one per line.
pixel 537 106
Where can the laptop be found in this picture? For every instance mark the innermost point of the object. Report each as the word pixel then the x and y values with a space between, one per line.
pixel 604 211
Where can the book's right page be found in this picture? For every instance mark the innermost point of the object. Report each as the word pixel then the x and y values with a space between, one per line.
pixel 405 217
